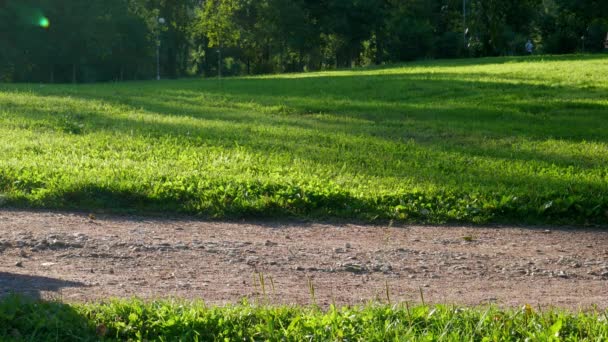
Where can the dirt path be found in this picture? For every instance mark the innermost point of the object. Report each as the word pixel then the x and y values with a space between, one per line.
pixel 82 259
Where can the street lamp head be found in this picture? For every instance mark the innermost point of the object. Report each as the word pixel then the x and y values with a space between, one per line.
pixel 161 21
pixel 44 22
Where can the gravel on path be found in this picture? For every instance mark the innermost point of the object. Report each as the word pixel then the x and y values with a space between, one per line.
pixel 80 258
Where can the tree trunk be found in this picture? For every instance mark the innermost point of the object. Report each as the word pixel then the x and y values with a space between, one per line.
pixel 281 59
pixel 172 62
pixel 267 51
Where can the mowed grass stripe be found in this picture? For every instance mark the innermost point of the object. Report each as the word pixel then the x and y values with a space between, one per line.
pixel 490 140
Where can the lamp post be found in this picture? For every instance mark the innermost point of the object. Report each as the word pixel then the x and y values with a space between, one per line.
pixel 219 64
pixel 161 21
pixel 583 41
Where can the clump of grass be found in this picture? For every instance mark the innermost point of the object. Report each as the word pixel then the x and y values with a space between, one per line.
pixel 510 140
pixel 24 319
pixel 468 238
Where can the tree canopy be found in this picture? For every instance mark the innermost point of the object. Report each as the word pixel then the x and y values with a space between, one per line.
pixel 104 40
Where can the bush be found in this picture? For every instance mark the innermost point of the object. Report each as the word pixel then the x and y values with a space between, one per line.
pixel 561 42
pixel 596 35
pixel 412 40
pixel 449 45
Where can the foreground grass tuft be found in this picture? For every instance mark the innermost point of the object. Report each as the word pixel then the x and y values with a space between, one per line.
pixel 24 319
pixel 487 140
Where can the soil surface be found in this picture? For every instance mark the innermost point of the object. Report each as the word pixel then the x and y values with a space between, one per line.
pixel 79 257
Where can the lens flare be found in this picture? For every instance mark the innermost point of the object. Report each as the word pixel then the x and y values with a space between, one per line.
pixel 44 22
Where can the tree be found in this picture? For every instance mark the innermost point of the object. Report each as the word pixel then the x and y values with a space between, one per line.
pixel 101 40
pixel 216 21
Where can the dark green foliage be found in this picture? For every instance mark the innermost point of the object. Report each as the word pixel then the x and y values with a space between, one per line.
pixel 116 40
pixel 84 41
pixel 575 26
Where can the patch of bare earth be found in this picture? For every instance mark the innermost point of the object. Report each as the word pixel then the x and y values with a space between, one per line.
pixel 76 258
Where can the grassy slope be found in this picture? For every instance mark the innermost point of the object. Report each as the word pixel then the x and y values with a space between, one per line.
pixel 22 319
pixel 509 139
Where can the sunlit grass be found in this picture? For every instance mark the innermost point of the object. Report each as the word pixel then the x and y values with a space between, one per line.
pixel 23 319
pixel 489 140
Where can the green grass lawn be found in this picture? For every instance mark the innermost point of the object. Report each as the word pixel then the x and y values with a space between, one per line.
pixel 26 320
pixel 485 140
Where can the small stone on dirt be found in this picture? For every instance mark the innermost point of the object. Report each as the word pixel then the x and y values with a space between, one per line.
pixel 354 268
pixel 251 261
pixel 269 243
pixel 19 264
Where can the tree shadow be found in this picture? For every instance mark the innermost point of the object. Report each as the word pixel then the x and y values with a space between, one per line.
pixel 26 318
pixel 34 287
pixel 400 126
pixel 31 310
pixel 207 126
pixel 463 62
pixel 448 102
pixel 382 116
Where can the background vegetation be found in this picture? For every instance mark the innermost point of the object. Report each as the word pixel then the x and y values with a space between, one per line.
pixel 27 320
pixel 99 40
pixel 487 140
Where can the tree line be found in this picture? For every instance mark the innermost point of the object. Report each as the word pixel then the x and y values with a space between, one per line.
pixel 105 40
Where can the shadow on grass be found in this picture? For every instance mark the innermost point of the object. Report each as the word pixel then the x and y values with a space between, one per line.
pixel 462 104
pixel 26 316
pixel 224 118
pixel 415 118
pixel 490 61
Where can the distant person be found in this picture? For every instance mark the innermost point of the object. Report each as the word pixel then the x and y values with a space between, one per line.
pixel 529 47
pixel 606 42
